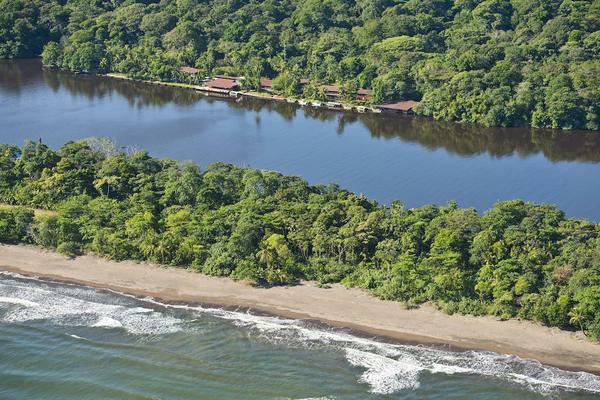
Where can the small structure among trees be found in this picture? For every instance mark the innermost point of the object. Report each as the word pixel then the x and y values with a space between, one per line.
pixel 189 70
pixel 405 107
pixel 223 83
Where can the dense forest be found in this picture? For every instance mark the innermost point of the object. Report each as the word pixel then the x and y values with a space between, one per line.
pixel 493 62
pixel 518 259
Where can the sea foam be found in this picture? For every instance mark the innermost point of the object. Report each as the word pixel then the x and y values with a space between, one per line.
pixel 17 301
pixel 388 368
pixel 72 305
pixel 383 374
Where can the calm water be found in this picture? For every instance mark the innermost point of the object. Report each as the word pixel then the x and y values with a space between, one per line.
pixel 71 342
pixel 418 161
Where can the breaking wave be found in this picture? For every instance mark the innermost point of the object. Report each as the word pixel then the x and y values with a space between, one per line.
pixel 72 305
pixel 385 368
pixel 388 368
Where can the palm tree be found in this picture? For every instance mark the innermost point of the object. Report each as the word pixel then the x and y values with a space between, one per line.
pixel 147 245
pixel 267 256
pixel 577 317
pixel 106 181
pixel 162 250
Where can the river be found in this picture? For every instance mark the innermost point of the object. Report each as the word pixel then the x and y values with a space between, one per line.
pixel 387 157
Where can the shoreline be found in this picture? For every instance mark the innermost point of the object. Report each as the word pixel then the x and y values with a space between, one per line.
pixel 235 94
pixel 338 307
pixel 222 94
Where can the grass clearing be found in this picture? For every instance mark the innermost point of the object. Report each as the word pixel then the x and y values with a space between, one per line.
pixel 38 211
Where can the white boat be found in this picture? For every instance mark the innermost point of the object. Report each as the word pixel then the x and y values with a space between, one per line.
pixel 316 104
pixel 233 93
pixel 333 104
pixel 347 108
pixel 361 109
pixel 293 101
pixel 303 102
pixel 375 110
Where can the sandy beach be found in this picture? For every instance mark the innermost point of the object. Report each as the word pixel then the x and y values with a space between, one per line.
pixel 336 306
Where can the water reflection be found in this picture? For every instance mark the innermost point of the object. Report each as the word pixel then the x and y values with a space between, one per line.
pixel 15 75
pixel 458 139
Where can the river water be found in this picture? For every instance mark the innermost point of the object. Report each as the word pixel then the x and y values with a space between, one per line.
pixel 65 342
pixel 415 160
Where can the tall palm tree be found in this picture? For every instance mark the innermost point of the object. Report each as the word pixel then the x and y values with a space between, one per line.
pixel 266 256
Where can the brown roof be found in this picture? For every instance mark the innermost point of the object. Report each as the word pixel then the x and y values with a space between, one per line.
pixel 304 81
pixel 220 83
pixel 331 88
pixel 189 70
pixel 399 106
pixel 265 82
pixel 365 92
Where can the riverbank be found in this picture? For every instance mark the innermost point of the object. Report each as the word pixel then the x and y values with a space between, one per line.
pixel 208 91
pixel 336 306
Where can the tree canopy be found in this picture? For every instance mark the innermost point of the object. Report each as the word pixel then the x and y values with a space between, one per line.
pixel 494 62
pixel 518 259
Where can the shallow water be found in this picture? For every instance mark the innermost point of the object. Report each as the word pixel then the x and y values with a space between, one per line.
pixel 63 341
pixel 415 160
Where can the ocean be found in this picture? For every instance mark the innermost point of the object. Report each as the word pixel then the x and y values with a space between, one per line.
pixel 65 341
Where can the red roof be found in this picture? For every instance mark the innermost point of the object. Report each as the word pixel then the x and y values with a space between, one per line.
pixel 221 83
pixel 189 70
pixel 265 82
pixel 399 106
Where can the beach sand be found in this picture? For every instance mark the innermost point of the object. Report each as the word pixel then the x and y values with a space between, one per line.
pixel 336 306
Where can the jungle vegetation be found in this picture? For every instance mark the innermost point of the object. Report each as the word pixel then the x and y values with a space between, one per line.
pixel 493 62
pixel 517 259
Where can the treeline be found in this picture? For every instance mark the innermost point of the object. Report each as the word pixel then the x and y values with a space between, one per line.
pixel 494 62
pixel 517 260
